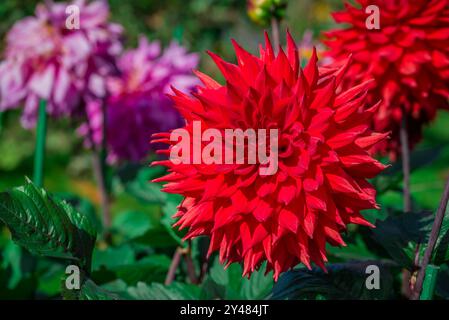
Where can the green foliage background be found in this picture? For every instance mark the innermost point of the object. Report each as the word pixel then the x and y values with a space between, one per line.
pixel 132 263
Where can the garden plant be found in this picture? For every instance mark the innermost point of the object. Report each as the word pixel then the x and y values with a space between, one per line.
pixel 224 149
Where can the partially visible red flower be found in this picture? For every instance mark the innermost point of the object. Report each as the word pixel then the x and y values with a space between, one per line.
pixel 321 185
pixel 408 57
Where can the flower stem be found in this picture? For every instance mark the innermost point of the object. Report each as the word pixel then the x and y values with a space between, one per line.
pixel 407 202
pixel 173 266
pixel 1 121
pixel 430 281
pixel 100 168
pixel 100 176
pixel 432 242
pixel 191 273
pixel 275 33
pixel 405 164
pixel 176 260
pixel 39 153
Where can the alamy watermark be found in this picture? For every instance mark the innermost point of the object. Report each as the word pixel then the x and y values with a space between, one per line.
pixel 72 22
pixel 372 22
pixel 372 282
pixel 73 280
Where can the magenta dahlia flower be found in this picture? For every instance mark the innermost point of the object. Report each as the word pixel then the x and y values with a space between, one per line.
pixel 45 58
pixel 137 105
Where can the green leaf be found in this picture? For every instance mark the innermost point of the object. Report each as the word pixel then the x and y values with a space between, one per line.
pixel 218 274
pixel 49 278
pixel 221 283
pixel 141 187
pixel 157 291
pixel 419 158
pixel 121 263
pixel 117 286
pixel 442 286
pixel 229 283
pixel 83 206
pixel 46 226
pixel 355 250
pixel 391 178
pixel 400 235
pixel 169 209
pixel 90 291
pixel 151 269
pixel 132 224
pixel 157 237
pixel 343 281
pixel 142 228
pixel 441 250
pixel 259 286
pixel 23 290
pixel 113 257
pixel 12 256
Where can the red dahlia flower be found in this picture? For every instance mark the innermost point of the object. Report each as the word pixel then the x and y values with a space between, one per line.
pixel 321 185
pixel 408 57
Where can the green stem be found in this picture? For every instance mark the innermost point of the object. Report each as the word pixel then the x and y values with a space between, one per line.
pixel 1 121
pixel 433 238
pixel 39 153
pixel 99 168
pixel 100 171
pixel 178 33
pixel 105 180
pixel 430 281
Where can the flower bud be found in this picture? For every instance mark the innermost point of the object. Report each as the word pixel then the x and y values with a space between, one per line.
pixel 262 11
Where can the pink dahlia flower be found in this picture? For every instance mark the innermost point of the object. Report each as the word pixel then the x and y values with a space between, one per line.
pixel 137 105
pixel 45 58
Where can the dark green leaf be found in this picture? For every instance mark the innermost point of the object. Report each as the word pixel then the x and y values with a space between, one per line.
pixel 157 237
pixel 442 285
pixel 419 158
pixel 400 235
pixel 151 269
pixel 343 281
pixel 391 178
pixel 46 226
pixel 441 251
pixel 24 289
pixel 90 291
pixel 83 206
pixel 157 291
pixel 355 250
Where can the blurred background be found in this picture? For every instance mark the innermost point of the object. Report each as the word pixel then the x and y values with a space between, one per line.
pixel 142 243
